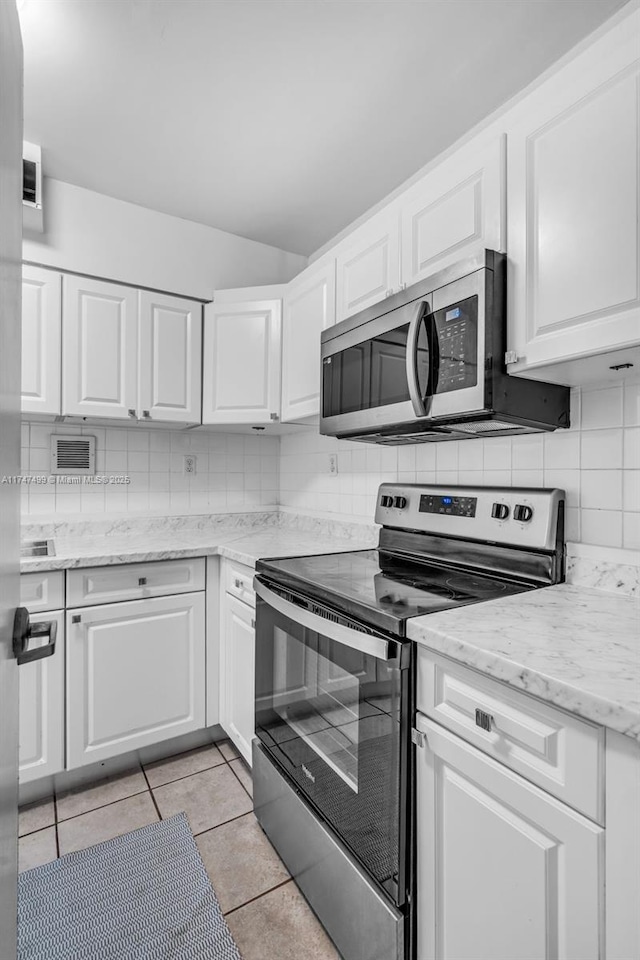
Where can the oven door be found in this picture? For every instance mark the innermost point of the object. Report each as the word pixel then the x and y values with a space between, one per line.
pixel 333 712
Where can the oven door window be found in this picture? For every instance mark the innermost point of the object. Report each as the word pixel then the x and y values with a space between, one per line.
pixel 330 717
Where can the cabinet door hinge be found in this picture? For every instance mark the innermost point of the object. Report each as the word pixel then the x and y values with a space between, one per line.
pixel 511 356
pixel 418 738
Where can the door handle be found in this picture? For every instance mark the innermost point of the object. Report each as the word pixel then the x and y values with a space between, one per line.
pixel 24 631
pixel 421 406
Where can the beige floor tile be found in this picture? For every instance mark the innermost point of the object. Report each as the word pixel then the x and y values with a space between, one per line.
pixel 182 765
pixel 243 774
pixel 280 924
pixel 208 798
pixel 83 799
pixel 106 823
pixel 228 750
pixel 240 861
pixel 36 816
pixel 37 848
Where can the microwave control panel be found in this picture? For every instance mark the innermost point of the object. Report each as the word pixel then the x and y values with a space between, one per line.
pixel 457 332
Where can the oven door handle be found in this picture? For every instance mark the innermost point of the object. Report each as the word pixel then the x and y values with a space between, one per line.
pixel 421 405
pixel 365 643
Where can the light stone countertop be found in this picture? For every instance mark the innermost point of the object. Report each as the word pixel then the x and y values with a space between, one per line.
pixel 575 647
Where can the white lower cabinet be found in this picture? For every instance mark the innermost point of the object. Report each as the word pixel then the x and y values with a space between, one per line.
pixel 135 675
pixel 237 671
pixel 41 717
pixel 505 871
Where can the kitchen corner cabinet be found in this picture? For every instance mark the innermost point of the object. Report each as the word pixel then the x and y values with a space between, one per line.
pixel 368 264
pixel 41 343
pixel 574 192
pixel 135 675
pixel 455 209
pixel 237 656
pixel 309 307
pixel 505 872
pixel 129 354
pixel 241 368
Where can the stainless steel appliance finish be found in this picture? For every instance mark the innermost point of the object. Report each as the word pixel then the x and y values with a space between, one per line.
pixel 335 688
pixel 428 364
pixel 372 928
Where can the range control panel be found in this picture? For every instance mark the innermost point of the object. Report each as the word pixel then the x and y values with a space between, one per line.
pixel 508 515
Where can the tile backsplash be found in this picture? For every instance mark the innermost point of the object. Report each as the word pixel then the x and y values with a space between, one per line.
pixel 597 462
pixel 232 472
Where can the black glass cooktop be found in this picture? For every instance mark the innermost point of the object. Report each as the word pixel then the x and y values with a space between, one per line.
pixel 383 589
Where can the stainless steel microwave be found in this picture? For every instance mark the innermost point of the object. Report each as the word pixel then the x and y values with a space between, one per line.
pixel 429 364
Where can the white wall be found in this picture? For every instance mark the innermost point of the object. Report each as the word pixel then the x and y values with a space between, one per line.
pixel 597 462
pixel 232 472
pixel 91 233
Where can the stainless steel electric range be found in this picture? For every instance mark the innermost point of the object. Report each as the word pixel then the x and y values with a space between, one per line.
pixel 333 758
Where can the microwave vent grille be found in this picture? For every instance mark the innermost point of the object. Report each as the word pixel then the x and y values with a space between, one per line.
pixel 487 426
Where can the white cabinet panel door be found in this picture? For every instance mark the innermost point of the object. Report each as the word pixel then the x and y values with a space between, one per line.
pixel 41 725
pixel 99 348
pixel 170 358
pixel 41 340
pixel 456 210
pixel 505 872
pixel 241 378
pixel 135 675
pixel 237 666
pixel 574 203
pixel 368 265
pixel 309 308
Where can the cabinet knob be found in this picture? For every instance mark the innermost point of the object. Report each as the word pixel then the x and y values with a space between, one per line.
pixel 484 720
pixel 132 414
pixel 253 624
pixel 76 618
pixel 273 416
pixel 146 415
pixel 389 292
pixel 142 581
pixel 237 583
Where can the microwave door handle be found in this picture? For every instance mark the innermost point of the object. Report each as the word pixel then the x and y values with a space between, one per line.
pixel 365 643
pixel 419 406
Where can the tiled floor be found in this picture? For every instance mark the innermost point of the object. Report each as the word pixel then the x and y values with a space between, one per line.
pixel 267 914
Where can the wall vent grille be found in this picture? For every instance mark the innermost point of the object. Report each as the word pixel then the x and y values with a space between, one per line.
pixel 73 455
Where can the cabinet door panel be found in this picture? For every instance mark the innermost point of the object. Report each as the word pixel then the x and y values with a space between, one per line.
pixel 41 722
pixel 574 203
pixel 505 872
pixel 237 668
pixel 455 210
pixel 41 345
pixel 242 362
pixel 309 308
pixel 170 358
pixel 368 268
pixel 99 348
pixel 135 675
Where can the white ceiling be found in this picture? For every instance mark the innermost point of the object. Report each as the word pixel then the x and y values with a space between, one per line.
pixel 278 120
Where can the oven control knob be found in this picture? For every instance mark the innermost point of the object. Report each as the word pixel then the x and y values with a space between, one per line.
pixel 400 502
pixel 386 501
pixel 500 511
pixel 522 512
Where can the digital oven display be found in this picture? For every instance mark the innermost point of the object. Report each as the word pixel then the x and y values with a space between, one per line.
pixel 448 506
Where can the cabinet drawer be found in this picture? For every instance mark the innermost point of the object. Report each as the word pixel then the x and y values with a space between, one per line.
pixel 238 581
pixel 42 591
pixel 133 581
pixel 555 750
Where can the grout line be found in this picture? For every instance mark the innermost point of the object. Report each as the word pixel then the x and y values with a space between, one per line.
pixel 224 822
pixel 185 776
pixel 153 798
pixel 239 780
pixel 55 823
pixel 181 753
pixel 259 896
pixel 138 793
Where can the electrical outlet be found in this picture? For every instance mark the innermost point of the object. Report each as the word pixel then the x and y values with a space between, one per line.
pixel 333 463
pixel 189 463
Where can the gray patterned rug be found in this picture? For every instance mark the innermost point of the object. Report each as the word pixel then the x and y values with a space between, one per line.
pixel 143 896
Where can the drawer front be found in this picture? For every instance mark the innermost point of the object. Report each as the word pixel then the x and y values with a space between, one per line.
pixel 42 591
pixel 559 752
pixel 133 581
pixel 238 582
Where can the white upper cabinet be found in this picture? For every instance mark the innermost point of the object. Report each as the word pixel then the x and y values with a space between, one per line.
pixel 170 358
pixel 368 264
pixel 573 187
pixel 309 308
pixel 41 344
pixel 241 370
pixel 456 209
pixel 99 348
